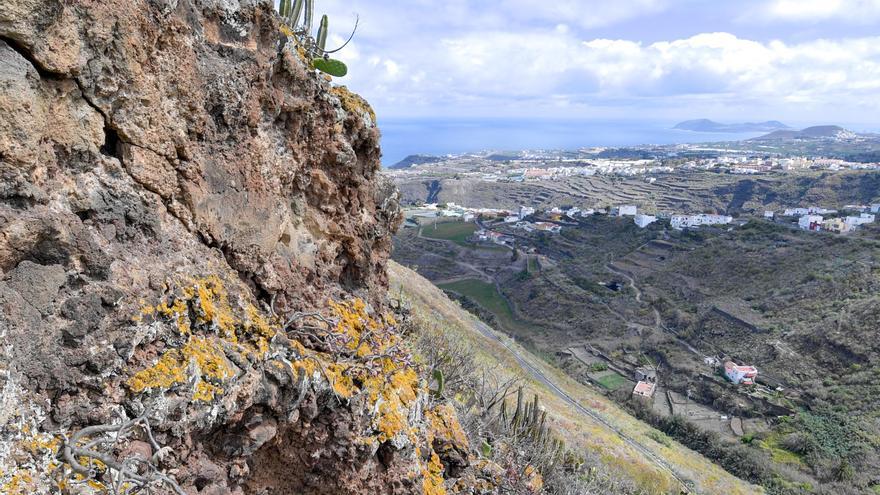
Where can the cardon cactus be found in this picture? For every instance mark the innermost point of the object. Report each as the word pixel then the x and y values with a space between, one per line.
pixel 314 48
pixel 321 40
pixel 441 382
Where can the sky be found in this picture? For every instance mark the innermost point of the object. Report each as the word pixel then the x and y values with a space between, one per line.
pixel 799 61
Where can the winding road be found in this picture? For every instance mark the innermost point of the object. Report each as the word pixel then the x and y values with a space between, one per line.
pixel 535 373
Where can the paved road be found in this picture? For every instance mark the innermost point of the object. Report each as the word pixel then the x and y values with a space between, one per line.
pixel 487 331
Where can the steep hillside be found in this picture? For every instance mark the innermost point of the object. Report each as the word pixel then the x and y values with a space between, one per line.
pixel 193 239
pixel 620 445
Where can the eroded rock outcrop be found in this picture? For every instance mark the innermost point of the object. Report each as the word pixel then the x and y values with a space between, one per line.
pixel 192 244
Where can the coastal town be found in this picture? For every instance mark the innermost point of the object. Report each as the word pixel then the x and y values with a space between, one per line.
pixel 536 166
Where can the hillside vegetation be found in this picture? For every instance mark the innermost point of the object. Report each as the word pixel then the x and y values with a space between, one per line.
pixel 604 297
pixel 602 447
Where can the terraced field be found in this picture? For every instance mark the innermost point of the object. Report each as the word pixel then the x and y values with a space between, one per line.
pixel 685 192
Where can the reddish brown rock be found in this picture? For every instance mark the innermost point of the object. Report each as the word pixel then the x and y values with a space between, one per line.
pixel 144 143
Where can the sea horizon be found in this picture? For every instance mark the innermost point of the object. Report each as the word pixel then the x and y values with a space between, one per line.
pixel 402 137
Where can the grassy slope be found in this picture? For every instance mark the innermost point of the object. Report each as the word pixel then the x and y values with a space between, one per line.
pixel 579 430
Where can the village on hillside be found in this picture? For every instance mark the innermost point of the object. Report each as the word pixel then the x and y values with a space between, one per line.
pixel 540 165
pixel 552 221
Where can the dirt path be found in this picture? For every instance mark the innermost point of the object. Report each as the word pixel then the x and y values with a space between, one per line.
pixel 658 320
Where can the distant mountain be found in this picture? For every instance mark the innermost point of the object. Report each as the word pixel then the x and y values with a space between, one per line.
pixel 413 160
pixel 815 132
pixel 706 125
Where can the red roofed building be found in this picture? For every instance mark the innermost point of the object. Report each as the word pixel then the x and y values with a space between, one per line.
pixel 740 375
pixel 644 391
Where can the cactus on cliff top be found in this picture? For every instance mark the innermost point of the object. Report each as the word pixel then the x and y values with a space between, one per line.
pixel 315 48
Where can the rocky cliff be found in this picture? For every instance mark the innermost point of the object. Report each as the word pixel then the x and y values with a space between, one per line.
pixel 192 244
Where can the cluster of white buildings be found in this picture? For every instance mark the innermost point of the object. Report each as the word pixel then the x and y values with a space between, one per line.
pixel 678 222
pixel 839 225
pixel 748 165
pixel 585 169
pixel 813 218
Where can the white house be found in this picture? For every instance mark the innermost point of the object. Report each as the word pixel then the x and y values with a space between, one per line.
pixel 684 221
pixel 810 222
pixel 740 375
pixel 572 212
pixel 679 221
pixel 860 220
pixel 816 210
pixel 644 220
pixel 706 219
pixel 627 211
pixel 525 211
pixel 769 214
pixel 511 219
pixel 468 217
pixel 875 208
pixel 796 212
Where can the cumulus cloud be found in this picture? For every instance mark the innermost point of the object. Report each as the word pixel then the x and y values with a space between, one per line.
pixel 525 58
pixel 547 65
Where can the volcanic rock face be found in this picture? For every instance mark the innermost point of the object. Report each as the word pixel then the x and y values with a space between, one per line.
pixel 176 182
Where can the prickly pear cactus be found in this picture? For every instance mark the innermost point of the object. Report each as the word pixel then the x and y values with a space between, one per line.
pixel 330 66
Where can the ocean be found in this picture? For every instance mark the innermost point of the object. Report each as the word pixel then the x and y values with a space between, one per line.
pixel 401 138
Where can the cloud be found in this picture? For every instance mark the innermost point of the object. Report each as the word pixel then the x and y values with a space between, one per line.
pixel 513 57
pixel 542 66
pixel 857 11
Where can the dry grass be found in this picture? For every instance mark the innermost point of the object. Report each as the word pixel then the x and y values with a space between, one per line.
pixel 579 430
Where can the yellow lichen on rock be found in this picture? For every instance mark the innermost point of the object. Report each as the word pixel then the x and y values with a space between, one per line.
pixel 433 477
pixel 171 369
pixel 353 103
pixel 20 483
pixel 445 427
pixel 203 306
pixel 377 367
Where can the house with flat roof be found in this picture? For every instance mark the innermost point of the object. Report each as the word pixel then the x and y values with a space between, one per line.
pixel 644 220
pixel 626 210
pixel 644 391
pixel 740 375
pixel 811 222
